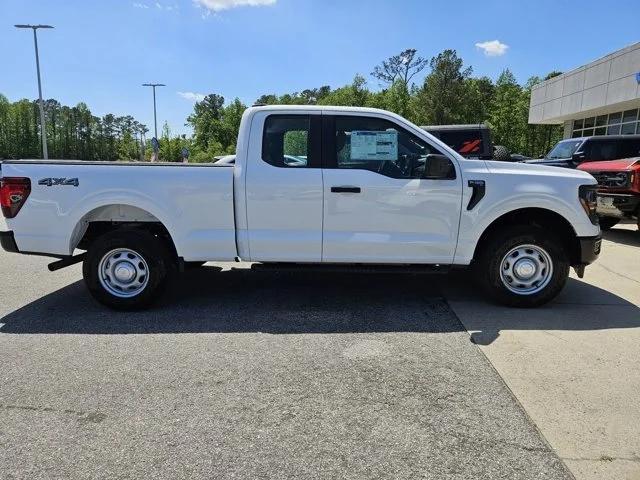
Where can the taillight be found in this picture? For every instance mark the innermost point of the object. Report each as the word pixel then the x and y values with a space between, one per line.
pixel 14 192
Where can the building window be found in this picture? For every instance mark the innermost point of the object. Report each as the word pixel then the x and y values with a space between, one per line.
pixel 625 123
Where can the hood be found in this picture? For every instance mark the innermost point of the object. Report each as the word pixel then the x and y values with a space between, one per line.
pixel 538 168
pixel 558 162
pixel 610 165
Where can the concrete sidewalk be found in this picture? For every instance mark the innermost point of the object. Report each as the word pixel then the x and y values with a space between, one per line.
pixel 574 365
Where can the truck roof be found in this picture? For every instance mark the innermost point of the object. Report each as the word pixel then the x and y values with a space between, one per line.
pixel 602 138
pixel 319 108
pixel 473 126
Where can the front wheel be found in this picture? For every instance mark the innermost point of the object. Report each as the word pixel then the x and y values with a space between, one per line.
pixel 126 269
pixel 523 267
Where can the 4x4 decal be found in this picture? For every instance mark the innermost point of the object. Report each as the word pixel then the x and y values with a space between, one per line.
pixel 51 182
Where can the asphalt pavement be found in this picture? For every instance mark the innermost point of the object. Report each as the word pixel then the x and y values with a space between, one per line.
pixel 251 375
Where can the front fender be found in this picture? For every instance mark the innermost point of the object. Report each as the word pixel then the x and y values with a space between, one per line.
pixel 494 206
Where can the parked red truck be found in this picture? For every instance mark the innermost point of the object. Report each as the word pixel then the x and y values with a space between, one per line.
pixel 618 190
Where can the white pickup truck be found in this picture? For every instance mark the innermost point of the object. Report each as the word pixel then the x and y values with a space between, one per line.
pixel 339 187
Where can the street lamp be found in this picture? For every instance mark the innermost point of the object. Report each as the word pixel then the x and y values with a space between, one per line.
pixel 155 120
pixel 43 129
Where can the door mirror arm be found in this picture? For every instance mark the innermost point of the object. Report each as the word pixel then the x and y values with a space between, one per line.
pixel 578 157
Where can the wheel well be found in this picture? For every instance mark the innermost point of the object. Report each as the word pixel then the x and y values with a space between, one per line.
pixel 97 229
pixel 536 217
pixel 114 217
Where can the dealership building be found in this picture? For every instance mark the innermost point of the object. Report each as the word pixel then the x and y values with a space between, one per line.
pixel 601 98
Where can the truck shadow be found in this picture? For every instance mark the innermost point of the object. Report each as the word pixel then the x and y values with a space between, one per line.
pixel 623 236
pixel 208 300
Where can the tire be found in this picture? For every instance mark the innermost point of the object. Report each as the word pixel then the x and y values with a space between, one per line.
pixel 194 265
pixel 498 265
pixel 607 223
pixel 501 153
pixel 142 256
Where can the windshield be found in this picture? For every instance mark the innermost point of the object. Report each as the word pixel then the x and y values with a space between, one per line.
pixel 564 150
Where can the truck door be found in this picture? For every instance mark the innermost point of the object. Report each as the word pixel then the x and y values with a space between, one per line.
pixel 284 188
pixel 379 204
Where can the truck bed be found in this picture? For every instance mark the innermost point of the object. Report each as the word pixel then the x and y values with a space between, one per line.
pixel 194 202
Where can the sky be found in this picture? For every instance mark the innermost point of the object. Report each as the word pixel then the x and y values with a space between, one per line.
pixel 101 51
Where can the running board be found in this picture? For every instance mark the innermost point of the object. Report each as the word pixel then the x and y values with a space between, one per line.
pixel 349 268
pixel 66 262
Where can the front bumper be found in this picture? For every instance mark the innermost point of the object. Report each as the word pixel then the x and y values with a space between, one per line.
pixel 590 248
pixel 617 204
pixel 8 242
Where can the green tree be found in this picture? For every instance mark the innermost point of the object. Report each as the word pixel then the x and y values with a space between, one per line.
pixel 354 95
pixel 509 113
pixel 215 127
pixel 400 68
pixel 448 94
pixel 478 95
pixel 441 100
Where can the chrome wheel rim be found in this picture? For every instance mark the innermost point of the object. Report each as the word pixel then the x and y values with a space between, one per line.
pixel 526 269
pixel 123 273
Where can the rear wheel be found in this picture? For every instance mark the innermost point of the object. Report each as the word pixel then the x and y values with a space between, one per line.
pixel 126 269
pixel 523 267
pixel 607 223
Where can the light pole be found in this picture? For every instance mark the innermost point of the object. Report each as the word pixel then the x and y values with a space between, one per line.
pixel 43 129
pixel 155 120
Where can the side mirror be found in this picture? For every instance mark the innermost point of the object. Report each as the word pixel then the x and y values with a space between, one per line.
pixel 578 157
pixel 439 167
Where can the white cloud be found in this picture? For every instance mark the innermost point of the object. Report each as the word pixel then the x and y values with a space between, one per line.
pixel 219 5
pixel 158 5
pixel 494 48
pixel 192 96
pixel 168 8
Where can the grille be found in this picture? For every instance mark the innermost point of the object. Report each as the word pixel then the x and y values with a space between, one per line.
pixel 612 179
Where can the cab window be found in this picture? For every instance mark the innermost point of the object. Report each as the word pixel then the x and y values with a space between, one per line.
pixel 288 141
pixel 630 148
pixel 380 146
pixel 597 150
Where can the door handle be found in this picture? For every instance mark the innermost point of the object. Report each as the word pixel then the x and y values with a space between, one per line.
pixel 346 189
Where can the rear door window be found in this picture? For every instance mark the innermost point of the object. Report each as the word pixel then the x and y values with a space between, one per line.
pixel 291 141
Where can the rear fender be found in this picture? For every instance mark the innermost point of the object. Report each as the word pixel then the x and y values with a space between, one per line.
pixel 116 207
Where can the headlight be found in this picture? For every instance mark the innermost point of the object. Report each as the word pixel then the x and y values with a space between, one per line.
pixel 589 200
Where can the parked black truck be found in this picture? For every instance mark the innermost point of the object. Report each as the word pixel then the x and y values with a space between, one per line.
pixel 472 141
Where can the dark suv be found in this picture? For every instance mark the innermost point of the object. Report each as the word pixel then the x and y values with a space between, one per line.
pixel 572 152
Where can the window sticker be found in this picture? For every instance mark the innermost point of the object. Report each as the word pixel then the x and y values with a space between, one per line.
pixel 372 145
